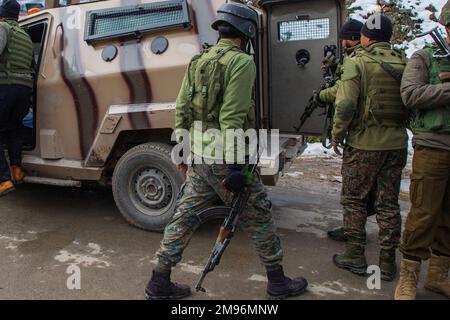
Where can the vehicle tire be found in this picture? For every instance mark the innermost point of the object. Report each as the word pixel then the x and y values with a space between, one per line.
pixel 145 186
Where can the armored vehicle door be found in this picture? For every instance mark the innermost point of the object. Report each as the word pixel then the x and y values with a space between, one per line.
pixel 298 32
pixel 37 28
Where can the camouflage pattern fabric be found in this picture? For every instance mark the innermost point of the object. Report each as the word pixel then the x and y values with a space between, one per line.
pixel 202 189
pixel 364 172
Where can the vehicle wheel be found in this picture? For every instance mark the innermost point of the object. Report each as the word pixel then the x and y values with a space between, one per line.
pixel 145 186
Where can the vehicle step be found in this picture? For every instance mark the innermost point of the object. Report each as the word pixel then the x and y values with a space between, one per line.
pixel 53 182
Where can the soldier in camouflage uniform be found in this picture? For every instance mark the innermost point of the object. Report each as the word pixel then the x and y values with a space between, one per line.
pixel 16 83
pixel 351 42
pixel 350 35
pixel 371 118
pixel 203 188
pixel 426 91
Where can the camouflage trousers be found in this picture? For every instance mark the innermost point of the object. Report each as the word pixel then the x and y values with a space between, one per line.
pixel 377 173
pixel 202 189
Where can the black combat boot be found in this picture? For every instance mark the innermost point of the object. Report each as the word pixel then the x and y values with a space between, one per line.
pixel 388 266
pixel 281 287
pixel 337 235
pixel 352 259
pixel 161 288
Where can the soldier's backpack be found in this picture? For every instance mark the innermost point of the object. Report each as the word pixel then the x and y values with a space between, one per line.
pixel 17 60
pixel 206 85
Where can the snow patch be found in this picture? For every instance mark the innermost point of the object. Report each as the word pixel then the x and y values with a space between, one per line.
pixel 419 10
pixel 257 277
pixel 335 288
pixel 96 249
pixel 191 268
pixel 65 256
pixel 326 288
pixel 12 243
pixel 318 150
pixel 295 174
pixel 91 257
pixel 404 186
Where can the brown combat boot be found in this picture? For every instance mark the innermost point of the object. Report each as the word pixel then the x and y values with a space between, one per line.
pixel 6 187
pixel 407 284
pixel 17 174
pixel 437 275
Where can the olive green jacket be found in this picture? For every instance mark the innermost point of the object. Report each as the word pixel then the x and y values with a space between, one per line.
pixel 329 95
pixel 350 106
pixel 237 108
pixel 418 93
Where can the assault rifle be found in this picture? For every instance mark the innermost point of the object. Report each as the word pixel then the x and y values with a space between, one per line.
pixel 329 76
pixel 228 227
pixel 442 44
pixel 312 104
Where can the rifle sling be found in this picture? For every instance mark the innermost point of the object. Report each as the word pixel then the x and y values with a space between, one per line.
pixel 397 75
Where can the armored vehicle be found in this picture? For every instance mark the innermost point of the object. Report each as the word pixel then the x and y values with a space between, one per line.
pixel 108 74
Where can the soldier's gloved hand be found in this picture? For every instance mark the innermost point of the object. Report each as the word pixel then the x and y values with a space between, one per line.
pixel 317 101
pixel 235 179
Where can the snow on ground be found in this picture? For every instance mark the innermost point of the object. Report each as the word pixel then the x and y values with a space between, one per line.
pixel 418 7
pixel 319 151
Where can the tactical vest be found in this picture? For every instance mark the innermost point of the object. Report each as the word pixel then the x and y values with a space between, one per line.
pixel 380 98
pixel 206 85
pixel 17 60
pixel 435 120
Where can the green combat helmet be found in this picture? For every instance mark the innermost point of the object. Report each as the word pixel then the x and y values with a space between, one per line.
pixel 444 19
pixel 239 16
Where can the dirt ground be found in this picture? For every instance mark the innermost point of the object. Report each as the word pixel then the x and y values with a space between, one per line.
pixel 323 174
pixel 46 232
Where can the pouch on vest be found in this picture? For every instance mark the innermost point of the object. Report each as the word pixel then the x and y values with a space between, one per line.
pixel 383 105
pixel 206 85
pixel 17 60
pixel 434 120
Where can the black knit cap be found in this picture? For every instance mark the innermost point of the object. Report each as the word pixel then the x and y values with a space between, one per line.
pixel 378 27
pixel 351 30
pixel 10 9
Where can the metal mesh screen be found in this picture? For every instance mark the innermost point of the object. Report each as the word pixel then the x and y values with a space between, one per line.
pixel 304 30
pixel 121 21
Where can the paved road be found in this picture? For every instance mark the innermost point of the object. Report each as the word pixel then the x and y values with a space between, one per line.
pixel 44 230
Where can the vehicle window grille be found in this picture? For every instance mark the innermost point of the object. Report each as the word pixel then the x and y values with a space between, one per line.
pixel 297 30
pixel 122 21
